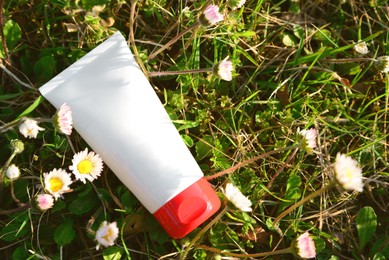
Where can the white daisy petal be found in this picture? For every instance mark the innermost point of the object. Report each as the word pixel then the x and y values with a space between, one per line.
pixel 236 197
pixel 106 234
pixel 347 173
pixel 86 166
pixel 63 119
pixel 29 128
pixel 57 182
pixel 13 172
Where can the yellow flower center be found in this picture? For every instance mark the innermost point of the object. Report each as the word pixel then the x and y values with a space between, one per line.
pixel 349 174
pixel 85 166
pixel 55 184
pixel 108 235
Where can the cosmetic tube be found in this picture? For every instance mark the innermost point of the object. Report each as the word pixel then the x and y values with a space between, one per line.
pixel 118 114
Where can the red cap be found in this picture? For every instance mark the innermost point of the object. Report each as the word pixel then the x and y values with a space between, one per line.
pixel 189 209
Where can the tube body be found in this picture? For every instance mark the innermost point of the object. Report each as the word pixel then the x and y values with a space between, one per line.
pixel 119 115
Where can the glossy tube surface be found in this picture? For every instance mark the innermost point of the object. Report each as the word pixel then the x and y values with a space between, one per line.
pixel 117 112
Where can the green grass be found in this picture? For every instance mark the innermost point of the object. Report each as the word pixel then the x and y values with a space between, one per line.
pixel 295 67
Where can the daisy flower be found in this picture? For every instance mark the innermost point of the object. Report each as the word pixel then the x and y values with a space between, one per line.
pixel 224 70
pixel 383 63
pixel 235 4
pixel 236 197
pixel 86 166
pixel 12 172
pixel 347 173
pixel 106 234
pixel 63 119
pixel 44 201
pixel 361 48
pixel 57 182
pixel 211 16
pixel 305 246
pixel 309 141
pixel 29 128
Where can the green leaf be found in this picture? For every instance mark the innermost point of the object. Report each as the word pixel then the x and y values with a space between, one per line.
pixel 187 140
pixel 204 147
pixel 380 246
pixel 289 40
pixel 32 106
pixel 83 204
pixel 44 68
pixel 88 4
pixel 366 225
pixel 12 33
pixel 65 233
pixel 113 253
pixel 16 229
pixel 246 34
pixel 19 253
pixel 379 256
pixel 293 191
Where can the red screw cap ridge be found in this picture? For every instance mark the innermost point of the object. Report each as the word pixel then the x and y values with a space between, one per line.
pixel 189 209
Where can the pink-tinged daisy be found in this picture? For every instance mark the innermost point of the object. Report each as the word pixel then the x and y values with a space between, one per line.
pixel 347 173
pixel 44 201
pixel 305 246
pixel 211 16
pixel 63 119
pixel 57 182
pixel 86 166
pixel 29 128
pixel 106 234
pixel 236 197
pixel 309 141
pixel 224 70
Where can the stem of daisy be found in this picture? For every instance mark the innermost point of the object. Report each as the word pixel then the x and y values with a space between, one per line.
pixel 349 60
pixel 177 72
pixel 178 36
pixel 131 39
pixel 288 250
pixel 7 126
pixel 208 226
pixel 4 128
pixel 283 166
pixel 301 202
pixel 23 207
pixel 248 161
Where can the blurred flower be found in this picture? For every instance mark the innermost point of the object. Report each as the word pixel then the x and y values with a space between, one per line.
pixel 347 173
pixel 309 141
pixel 305 246
pixel 235 4
pixel 63 119
pixel 44 201
pixel 211 16
pixel 29 128
pixel 361 48
pixel 86 165
pixel 383 64
pixel 57 182
pixel 234 195
pixel 224 69
pixel 106 234
pixel 17 146
pixel 12 172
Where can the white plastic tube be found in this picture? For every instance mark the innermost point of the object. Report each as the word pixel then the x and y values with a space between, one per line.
pixel 119 115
